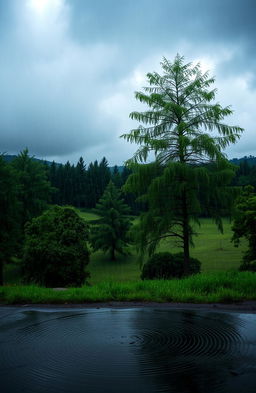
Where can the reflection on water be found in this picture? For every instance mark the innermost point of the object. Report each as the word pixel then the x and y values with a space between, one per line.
pixel 135 350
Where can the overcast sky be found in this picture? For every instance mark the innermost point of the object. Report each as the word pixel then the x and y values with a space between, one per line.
pixel 69 69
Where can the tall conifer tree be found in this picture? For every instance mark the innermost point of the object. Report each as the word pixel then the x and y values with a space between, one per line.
pixel 9 213
pixel 34 188
pixel 178 130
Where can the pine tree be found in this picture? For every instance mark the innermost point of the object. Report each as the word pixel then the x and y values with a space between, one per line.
pixel 104 175
pixel 9 213
pixel 116 177
pixel 34 188
pixel 178 128
pixel 92 184
pixel 80 184
pixel 68 183
pixel 110 233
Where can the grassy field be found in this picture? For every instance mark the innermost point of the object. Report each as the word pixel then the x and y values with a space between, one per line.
pixel 213 249
pixel 87 215
pixel 120 280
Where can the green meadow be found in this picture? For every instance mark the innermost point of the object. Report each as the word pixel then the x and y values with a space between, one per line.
pixel 120 280
pixel 212 248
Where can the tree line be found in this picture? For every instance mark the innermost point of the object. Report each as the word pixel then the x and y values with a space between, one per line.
pixel 82 186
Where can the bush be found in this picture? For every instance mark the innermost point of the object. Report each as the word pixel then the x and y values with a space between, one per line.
pixel 248 266
pixel 55 251
pixel 165 265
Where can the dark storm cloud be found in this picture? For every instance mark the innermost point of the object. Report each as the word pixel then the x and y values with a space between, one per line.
pixel 68 69
pixel 142 24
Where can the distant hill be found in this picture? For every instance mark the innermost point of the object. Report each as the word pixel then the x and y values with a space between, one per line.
pixel 10 158
pixel 251 160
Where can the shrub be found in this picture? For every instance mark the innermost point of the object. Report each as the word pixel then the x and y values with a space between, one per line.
pixel 165 265
pixel 244 226
pixel 248 266
pixel 55 251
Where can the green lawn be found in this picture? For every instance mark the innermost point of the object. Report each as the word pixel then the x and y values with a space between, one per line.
pixel 120 280
pixel 87 215
pixel 213 249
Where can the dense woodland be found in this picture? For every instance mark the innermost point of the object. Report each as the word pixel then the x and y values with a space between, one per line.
pixel 81 184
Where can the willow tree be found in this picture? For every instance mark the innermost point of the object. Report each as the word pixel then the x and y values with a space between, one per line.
pixel 184 129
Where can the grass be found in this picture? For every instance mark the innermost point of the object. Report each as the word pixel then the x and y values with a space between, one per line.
pixel 202 288
pixel 213 249
pixel 87 214
pixel 120 280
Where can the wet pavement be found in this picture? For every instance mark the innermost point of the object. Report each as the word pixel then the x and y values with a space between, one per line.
pixel 143 349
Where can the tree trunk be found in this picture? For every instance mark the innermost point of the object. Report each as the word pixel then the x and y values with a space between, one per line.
pixel 185 234
pixel 113 256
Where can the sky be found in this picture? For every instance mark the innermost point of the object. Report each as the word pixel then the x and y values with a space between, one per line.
pixel 69 69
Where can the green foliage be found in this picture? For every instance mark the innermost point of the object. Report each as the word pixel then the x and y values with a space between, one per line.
pixel 110 234
pixel 55 251
pixel 245 226
pixel 34 188
pixel 206 191
pixel 77 185
pixel 9 214
pixel 180 114
pixel 189 163
pixel 212 248
pixel 246 172
pixel 165 265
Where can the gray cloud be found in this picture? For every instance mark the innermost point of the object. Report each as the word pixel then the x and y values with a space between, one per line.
pixel 68 71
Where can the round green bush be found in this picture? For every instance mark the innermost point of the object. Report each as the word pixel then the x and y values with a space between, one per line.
pixel 165 265
pixel 55 250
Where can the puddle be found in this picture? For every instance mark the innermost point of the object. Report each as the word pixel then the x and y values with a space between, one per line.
pixel 127 350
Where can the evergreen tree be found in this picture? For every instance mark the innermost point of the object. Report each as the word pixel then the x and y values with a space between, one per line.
pixel 110 233
pixel 80 184
pixel 177 129
pixel 104 175
pixel 98 176
pixel 244 226
pixel 34 188
pixel 9 214
pixel 60 185
pixel 52 175
pixel 92 184
pixel 116 177
pixel 68 184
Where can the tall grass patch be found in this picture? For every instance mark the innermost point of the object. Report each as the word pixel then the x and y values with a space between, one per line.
pixel 202 288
